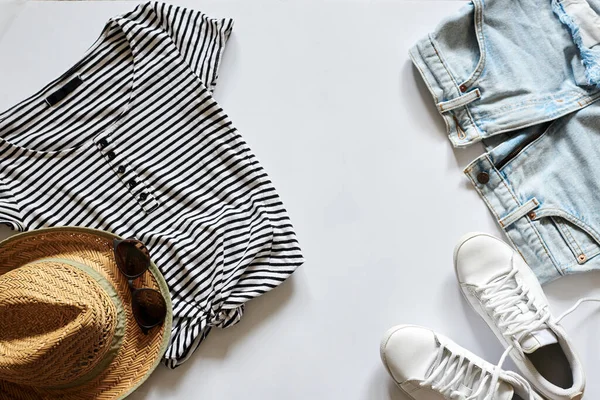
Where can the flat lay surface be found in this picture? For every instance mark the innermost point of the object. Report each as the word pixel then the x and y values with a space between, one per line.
pixel 327 99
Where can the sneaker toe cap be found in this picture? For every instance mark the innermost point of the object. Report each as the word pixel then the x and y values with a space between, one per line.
pixel 408 351
pixel 478 257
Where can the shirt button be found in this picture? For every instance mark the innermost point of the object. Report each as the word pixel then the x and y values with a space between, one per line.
pixel 103 143
pixel 121 169
pixel 110 155
pixel 483 178
pixel 132 183
pixel 143 196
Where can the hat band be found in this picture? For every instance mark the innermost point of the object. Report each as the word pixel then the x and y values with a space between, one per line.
pixel 119 328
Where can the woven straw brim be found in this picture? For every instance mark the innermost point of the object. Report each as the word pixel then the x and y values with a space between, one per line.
pixel 138 355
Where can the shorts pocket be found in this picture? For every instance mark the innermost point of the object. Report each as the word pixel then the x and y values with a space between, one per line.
pixel 463 51
pixel 478 21
pixel 570 239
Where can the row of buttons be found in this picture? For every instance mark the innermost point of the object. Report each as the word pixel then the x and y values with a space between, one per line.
pixel 122 169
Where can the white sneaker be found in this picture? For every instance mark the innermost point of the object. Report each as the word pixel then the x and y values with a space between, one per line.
pixel 505 292
pixel 429 366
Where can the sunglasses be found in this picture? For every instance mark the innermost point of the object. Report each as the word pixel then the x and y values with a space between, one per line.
pixel 148 305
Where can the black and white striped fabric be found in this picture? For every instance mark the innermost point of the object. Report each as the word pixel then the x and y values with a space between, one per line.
pixel 140 148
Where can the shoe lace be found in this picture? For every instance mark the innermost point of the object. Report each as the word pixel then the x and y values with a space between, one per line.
pixel 576 306
pixel 456 377
pixel 512 306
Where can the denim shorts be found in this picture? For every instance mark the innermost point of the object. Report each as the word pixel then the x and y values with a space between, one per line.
pixel 523 79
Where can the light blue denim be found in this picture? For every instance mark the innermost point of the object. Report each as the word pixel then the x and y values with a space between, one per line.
pixel 523 78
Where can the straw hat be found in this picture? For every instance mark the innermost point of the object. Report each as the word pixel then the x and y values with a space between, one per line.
pixel 66 325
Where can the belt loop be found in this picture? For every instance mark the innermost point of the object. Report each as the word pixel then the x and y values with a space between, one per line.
pixel 519 213
pixel 460 101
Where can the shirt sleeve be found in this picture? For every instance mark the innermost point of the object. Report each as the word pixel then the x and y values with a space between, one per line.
pixel 10 213
pixel 199 38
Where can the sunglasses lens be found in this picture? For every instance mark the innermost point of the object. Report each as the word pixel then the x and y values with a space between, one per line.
pixel 133 258
pixel 149 307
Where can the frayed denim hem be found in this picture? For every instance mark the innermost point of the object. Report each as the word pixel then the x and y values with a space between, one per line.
pixel 589 57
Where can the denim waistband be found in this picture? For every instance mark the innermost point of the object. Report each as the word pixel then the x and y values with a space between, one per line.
pixel 460 125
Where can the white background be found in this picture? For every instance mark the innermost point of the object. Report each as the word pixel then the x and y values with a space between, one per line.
pixel 325 95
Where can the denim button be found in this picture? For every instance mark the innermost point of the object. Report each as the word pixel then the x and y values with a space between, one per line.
pixel 103 143
pixel 483 178
pixel 132 183
pixel 121 169
pixel 143 196
pixel 110 155
pixel 463 88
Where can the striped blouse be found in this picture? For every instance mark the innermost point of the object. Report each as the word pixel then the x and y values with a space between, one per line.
pixel 130 140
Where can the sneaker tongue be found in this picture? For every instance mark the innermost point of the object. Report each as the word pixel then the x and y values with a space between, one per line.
pixel 536 339
pixel 504 392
